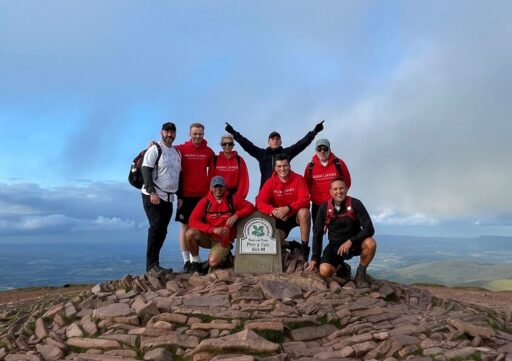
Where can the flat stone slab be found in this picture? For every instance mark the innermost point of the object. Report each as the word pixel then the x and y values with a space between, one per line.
pixel 312 332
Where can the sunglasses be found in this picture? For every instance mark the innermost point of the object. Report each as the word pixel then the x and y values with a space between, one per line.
pixel 322 148
pixel 227 144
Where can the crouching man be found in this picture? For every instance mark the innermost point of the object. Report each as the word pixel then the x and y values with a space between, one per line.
pixel 212 224
pixel 350 232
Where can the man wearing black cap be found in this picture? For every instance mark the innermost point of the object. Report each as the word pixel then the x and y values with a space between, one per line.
pixel 161 172
pixel 265 156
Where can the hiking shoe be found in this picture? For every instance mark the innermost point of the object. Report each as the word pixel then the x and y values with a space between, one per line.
pixel 344 271
pixel 304 250
pixel 293 245
pixel 199 267
pixel 187 267
pixel 164 270
pixel 155 272
pixel 360 278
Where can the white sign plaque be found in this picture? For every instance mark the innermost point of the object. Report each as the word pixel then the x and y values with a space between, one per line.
pixel 257 238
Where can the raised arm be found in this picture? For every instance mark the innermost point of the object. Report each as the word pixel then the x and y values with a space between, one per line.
pixel 293 150
pixel 246 144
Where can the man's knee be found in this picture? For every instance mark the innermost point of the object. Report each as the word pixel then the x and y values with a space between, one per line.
pixel 326 269
pixel 214 260
pixel 192 234
pixel 369 245
pixel 303 215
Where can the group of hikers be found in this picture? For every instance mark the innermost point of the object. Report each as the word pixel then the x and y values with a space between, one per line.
pixel 211 191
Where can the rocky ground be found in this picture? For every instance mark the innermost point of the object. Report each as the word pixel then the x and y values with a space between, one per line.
pixel 227 316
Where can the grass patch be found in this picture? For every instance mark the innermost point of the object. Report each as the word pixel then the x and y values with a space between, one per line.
pixel 74 349
pixel 297 324
pixel 203 318
pixel 138 348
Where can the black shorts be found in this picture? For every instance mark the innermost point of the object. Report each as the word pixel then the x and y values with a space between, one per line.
pixel 332 257
pixel 183 213
pixel 288 225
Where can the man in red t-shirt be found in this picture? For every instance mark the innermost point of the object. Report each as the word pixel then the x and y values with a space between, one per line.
pixel 285 196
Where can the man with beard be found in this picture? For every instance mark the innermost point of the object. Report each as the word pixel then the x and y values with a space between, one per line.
pixel 213 224
pixel 161 181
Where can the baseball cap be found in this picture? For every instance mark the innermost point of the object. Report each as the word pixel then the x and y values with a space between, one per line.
pixel 217 181
pixel 274 134
pixel 168 126
pixel 323 142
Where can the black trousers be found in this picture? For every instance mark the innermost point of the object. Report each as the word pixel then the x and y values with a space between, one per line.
pixel 158 217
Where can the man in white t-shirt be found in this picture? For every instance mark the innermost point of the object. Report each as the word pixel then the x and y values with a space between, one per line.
pixel 161 179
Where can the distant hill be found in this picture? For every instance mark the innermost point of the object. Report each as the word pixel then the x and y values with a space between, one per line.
pixel 466 273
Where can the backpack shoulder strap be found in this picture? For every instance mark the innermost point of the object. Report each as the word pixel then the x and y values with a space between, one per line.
pixel 230 203
pixel 329 213
pixel 338 166
pixel 159 149
pixel 348 206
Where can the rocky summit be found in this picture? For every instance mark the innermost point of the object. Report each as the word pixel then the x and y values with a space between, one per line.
pixel 228 316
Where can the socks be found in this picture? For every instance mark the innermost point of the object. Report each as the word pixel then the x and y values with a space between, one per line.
pixel 185 255
pixel 362 268
pixel 196 258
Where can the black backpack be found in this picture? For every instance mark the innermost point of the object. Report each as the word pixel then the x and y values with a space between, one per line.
pixel 135 176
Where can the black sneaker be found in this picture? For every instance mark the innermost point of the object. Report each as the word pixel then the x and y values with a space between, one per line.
pixel 199 267
pixel 186 267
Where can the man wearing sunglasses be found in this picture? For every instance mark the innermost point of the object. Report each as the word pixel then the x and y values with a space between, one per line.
pixel 323 168
pixel 266 156
pixel 232 168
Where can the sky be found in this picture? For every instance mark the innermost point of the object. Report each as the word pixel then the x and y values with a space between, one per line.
pixel 416 98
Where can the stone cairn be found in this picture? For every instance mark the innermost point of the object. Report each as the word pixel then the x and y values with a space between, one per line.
pixel 228 316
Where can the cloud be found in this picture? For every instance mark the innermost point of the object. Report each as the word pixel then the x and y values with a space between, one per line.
pixel 388 217
pixel 96 207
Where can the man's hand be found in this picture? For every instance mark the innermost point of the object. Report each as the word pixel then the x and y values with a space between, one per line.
pixel 280 212
pixel 230 222
pixel 229 128
pixel 222 231
pixel 319 127
pixel 154 199
pixel 345 247
pixel 312 266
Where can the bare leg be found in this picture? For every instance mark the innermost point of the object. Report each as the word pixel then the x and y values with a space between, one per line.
pixel 192 239
pixel 368 249
pixel 304 221
pixel 183 240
